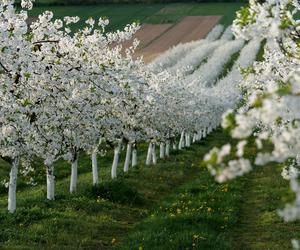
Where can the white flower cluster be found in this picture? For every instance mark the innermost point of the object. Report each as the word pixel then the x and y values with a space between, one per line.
pixel 268 119
pixel 173 55
pixel 63 92
pixel 208 73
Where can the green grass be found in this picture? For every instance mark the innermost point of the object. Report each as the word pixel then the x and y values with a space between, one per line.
pixel 174 205
pixel 122 14
pixel 229 64
pixel 101 217
pixel 259 226
pixel 198 215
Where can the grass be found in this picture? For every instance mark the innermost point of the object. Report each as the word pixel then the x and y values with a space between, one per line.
pixel 102 217
pixel 199 215
pixel 228 65
pixel 122 14
pixel 174 205
pixel 259 225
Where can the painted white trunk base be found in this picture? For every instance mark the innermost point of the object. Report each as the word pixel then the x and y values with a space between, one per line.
pixel 95 168
pixel 149 154
pixel 181 142
pixel 74 175
pixel 167 149
pixel 127 159
pixel 162 150
pixel 134 157
pixel 114 167
pixel 12 188
pixel 154 158
pixel 194 138
pixel 50 182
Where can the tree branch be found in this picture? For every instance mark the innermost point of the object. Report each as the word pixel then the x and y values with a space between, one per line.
pixel 5 69
pixel 46 41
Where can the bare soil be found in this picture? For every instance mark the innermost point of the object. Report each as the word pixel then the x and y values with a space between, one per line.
pixel 189 29
pixel 147 33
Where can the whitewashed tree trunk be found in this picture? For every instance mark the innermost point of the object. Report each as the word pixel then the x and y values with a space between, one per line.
pixel 167 148
pixel 74 174
pixel 199 135
pixel 95 168
pixel 127 159
pixel 114 167
pixel 181 141
pixel 162 150
pixel 134 157
pixel 149 154
pixel 50 181
pixel 186 140
pixel 194 138
pixel 12 188
pixel 174 145
pixel 154 158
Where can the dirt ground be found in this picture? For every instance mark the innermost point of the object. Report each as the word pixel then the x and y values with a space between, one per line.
pixel 189 29
pixel 147 33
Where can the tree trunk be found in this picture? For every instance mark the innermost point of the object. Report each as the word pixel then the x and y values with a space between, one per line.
pixel 200 135
pixel 127 160
pixel 209 130
pixel 167 148
pixel 154 158
pixel 181 142
pixel 149 154
pixel 95 168
pixel 162 150
pixel 114 167
pixel 50 181
pixel 194 138
pixel 134 157
pixel 12 189
pixel 174 145
pixel 74 174
pixel 186 140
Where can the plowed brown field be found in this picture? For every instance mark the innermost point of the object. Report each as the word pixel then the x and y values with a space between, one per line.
pixel 188 29
pixel 147 33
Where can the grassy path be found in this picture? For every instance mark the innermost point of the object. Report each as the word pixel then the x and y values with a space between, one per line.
pixel 259 226
pixel 102 217
pixel 173 205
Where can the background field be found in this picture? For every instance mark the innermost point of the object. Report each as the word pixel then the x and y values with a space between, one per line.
pixel 122 14
pixel 85 2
